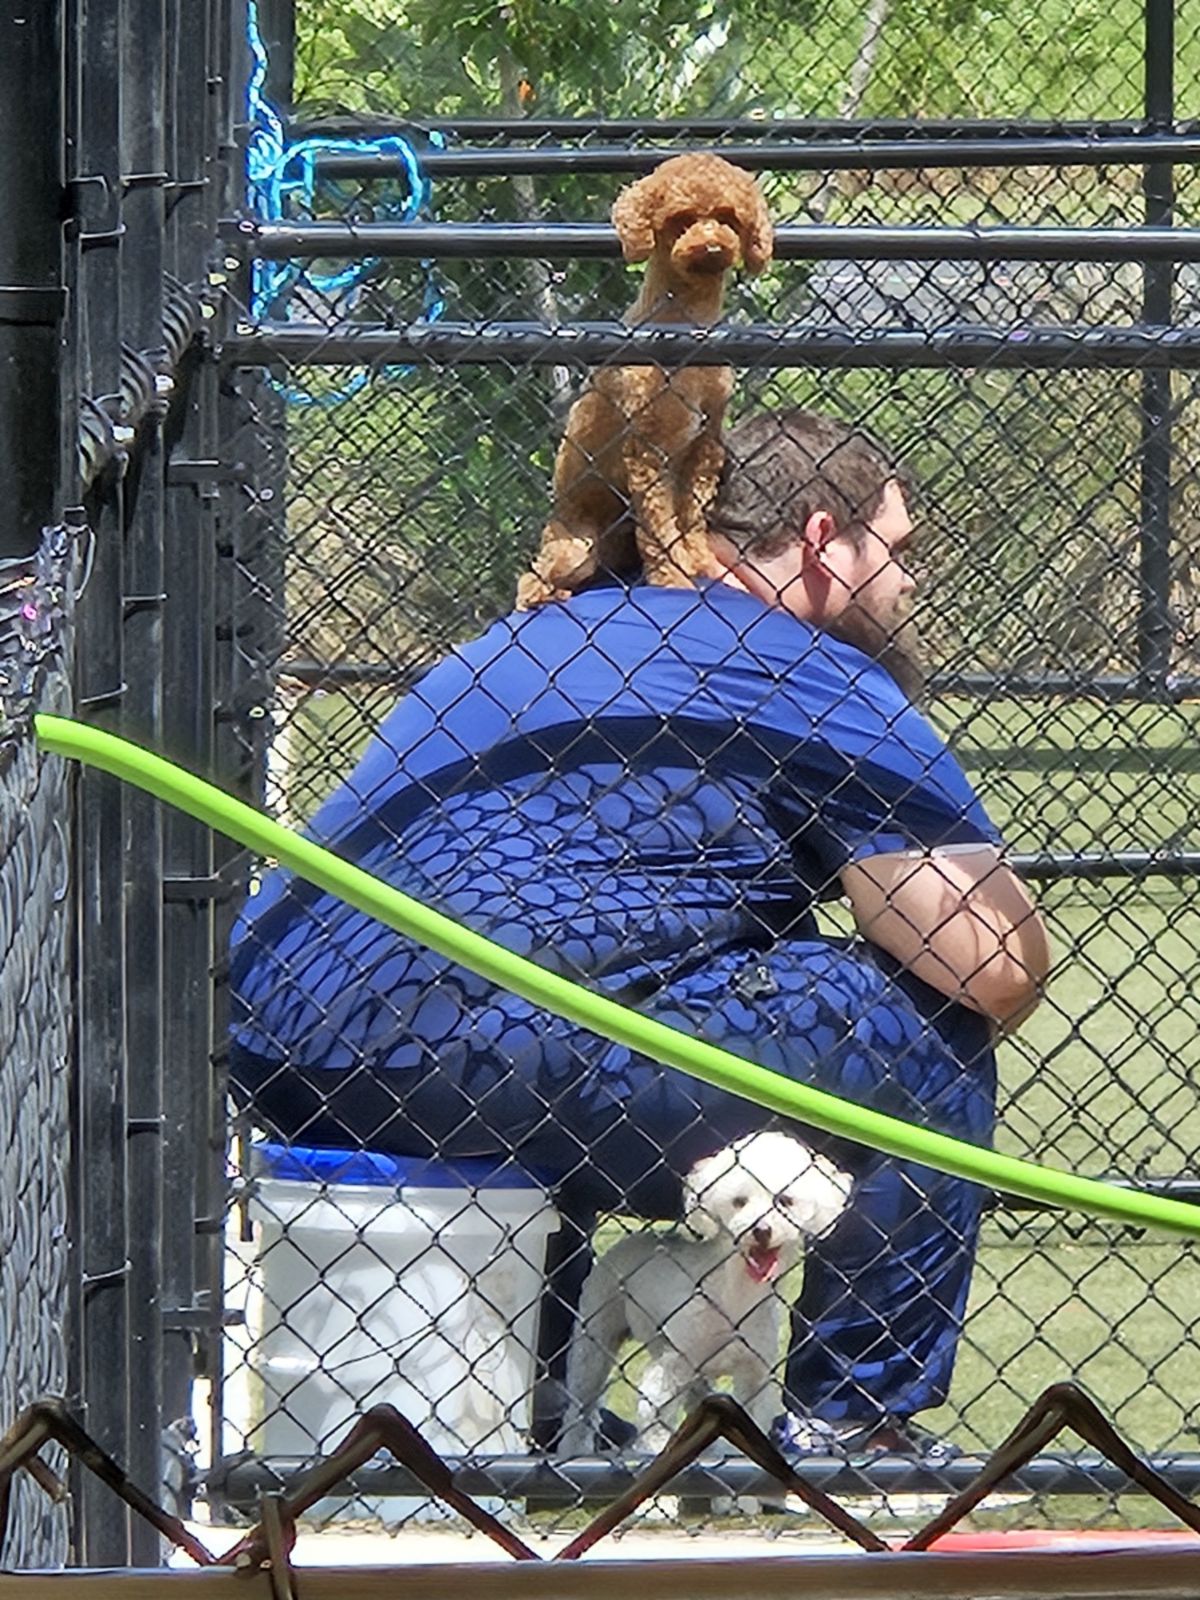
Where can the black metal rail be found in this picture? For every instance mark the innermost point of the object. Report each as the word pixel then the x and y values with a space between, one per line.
pixel 1155 624
pixel 757 128
pixel 563 241
pixel 1077 347
pixel 1111 690
pixel 826 155
pixel 239 1481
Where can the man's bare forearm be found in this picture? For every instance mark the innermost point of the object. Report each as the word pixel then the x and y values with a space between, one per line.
pixel 962 922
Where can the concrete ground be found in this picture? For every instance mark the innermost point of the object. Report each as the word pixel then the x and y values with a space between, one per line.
pixel 420 1545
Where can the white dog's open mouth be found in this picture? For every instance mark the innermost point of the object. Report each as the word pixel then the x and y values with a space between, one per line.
pixel 762 1264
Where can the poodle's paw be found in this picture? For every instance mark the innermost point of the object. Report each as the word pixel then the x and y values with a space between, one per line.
pixel 561 565
pixel 533 591
pixel 672 574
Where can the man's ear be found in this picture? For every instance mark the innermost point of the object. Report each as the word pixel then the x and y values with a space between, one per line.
pixel 815 535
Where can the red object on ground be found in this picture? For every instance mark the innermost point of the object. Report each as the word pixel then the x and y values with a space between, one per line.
pixel 1066 1539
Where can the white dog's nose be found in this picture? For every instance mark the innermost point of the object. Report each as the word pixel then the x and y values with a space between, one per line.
pixel 763 1233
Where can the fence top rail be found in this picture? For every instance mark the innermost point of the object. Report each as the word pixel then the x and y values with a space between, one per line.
pixel 751 127
pixel 241 1479
pixel 811 155
pixel 1074 347
pixel 561 241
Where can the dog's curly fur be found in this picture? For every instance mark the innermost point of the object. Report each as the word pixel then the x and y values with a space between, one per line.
pixel 642 451
pixel 703 1299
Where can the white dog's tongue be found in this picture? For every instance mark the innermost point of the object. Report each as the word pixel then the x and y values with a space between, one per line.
pixel 762 1265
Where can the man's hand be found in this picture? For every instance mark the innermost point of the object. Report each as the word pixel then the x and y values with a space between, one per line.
pixel 961 921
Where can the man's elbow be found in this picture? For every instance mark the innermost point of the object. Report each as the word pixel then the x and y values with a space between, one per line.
pixel 1009 987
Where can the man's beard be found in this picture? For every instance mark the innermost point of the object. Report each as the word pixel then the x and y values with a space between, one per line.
pixel 893 642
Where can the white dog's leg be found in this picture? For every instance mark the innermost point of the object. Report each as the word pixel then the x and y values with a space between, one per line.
pixel 595 1343
pixel 658 1401
pixel 755 1389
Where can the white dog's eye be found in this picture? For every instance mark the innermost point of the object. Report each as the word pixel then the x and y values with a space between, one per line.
pixel 739 1200
pixel 785 1202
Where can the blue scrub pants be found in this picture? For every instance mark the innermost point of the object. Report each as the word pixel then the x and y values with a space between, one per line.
pixel 877 1324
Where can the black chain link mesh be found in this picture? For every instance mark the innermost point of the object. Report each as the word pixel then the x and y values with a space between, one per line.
pixel 34 1027
pixel 410 506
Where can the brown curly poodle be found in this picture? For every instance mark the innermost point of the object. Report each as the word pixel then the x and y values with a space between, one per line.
pixel 642 450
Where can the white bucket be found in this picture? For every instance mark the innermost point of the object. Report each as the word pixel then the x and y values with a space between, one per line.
pixel 414 1288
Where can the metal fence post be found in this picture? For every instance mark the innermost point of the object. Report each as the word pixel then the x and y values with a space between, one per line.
pixel 34 1028
pixel 277 27
pixel 143 178
pixel 100 1232
pixel 1158 282
pixel 31 293
pixel 231 64
pixel 187 729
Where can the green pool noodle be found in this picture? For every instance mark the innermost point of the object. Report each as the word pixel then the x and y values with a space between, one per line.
pixel 680 1051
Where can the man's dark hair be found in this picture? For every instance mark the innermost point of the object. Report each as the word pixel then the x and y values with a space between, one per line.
pixel 782 466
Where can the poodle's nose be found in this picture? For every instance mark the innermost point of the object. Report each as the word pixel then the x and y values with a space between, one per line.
pixel 763 1233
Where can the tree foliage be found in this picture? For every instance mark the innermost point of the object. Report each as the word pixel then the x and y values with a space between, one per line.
pixel 437 483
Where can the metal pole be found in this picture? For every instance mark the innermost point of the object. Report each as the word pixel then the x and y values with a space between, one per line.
pixel 100 1235
pixel 187 735
pixel 232 64
pixel 843 155
pixel 31 269
pixel 242 1480
pixel 143 213
pixel 262 552
pixel 1112 690
pixel 1154 618
pixel 277 29
pixel 1079 347
pixel 547 241
pixel 756 128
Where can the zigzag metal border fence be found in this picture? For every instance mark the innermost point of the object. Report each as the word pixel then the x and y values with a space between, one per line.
pixel 268 1545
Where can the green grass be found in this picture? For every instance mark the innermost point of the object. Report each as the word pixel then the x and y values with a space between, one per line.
pixel 1103 1077
pixel 1101 1081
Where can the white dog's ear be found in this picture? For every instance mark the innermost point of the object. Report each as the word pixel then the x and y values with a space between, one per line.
pixel 697 1192
pixel 820 1197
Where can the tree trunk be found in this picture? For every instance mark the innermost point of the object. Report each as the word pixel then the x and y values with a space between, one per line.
pixel 536 274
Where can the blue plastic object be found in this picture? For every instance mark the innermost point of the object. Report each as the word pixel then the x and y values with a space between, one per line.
pixel 308 1164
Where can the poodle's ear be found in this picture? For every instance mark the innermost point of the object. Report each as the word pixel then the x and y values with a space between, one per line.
pixel 697 1191
pixel 633 218
pixel 758 237
pixel 821 1196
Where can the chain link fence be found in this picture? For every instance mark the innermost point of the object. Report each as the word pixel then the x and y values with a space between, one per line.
pixel 398 389
pixel 117 123
pixel 35 652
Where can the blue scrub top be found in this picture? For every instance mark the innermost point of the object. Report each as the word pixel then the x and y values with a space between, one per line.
pixel 622 787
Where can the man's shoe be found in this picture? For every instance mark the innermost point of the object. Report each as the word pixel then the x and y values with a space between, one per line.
pixel 613 1432
pixel 901 1436
pixel 797 1436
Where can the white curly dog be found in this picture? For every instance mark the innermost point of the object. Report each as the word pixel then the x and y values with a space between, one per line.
pixel 703 1299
